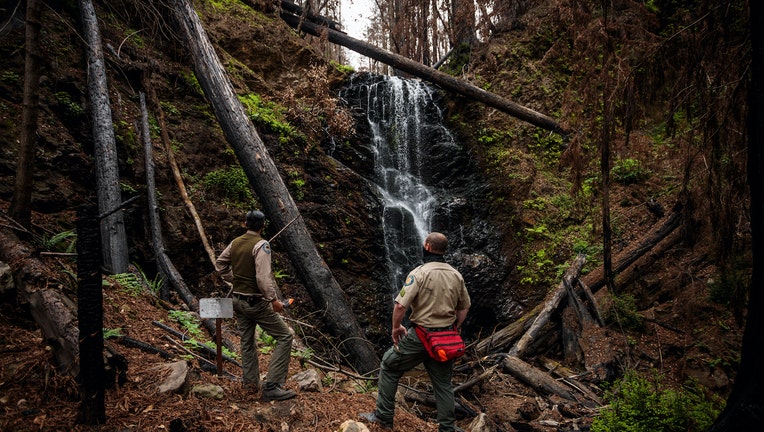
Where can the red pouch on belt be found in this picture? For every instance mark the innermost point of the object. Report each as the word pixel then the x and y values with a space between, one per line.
pixel 442 345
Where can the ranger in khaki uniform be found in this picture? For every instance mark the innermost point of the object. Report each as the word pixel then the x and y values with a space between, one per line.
pixel 438 298
pixel 246 262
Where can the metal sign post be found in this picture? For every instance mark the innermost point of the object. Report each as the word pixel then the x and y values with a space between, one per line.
pixel 217 308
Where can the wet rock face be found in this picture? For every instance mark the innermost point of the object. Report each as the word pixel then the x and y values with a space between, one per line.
pixel 459 209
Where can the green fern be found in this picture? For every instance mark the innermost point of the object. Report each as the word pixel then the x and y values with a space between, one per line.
pixel 188 321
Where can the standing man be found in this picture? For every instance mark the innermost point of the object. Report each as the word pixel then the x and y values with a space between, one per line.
pixel 438 298
pixel 246 262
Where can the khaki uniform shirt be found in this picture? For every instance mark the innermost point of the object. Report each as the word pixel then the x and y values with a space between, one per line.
pixel 434 291
pixel 264 284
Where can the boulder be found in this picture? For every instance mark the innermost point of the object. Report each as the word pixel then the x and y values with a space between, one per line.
pixel 308 380
pixel 177 378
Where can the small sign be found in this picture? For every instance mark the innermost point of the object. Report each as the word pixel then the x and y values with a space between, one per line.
pixel 216 308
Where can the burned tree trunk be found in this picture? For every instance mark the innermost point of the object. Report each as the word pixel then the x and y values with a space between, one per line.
pixel 21 204
pixel 597 277
pixel 535 378
pixel 427 73
pixel 271 190
pixel 90 317
pixel 113 237
pixel 745 409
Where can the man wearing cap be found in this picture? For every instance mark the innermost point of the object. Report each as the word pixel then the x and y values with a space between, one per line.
pixel 246 262
pixel 438 297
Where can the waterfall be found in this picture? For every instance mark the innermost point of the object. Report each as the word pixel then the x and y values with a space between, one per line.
pixel 405 124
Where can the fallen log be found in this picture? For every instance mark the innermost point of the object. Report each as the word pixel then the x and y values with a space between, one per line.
pixel 51 309
pixel 596 280
pixel 205 364
pixel 427 73
pixel 570 378
pixel 475 380
pixel 503 337
pixel 143 346
pixel 535 378
pixel 549 307
pixel 303 13
pixel 461 409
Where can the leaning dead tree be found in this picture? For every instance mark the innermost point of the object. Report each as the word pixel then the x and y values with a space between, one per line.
pixel 154 100
pixel 425 72
pixel 166 268
pixel 113 237
pixel 271 190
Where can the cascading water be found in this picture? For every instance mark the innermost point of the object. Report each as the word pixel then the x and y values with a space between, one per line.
pixel 421 179
pixel 405 124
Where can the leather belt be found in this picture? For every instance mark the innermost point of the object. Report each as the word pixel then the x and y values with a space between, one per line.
pixel 436 329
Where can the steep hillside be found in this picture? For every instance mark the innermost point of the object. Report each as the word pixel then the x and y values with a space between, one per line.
pixel 677 312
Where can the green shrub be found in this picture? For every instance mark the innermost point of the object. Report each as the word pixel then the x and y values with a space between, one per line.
pixel 232 183
pixel 268 114
pixel 112 333
pixel 548 147
pixel 629 171
pixel 639 404
pixel 71 108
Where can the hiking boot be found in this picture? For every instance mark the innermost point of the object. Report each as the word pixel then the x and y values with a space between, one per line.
pixel 274 392
pixel 372 418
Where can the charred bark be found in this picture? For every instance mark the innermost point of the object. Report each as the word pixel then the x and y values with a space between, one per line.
pixel 90 316
pixel 271 190
pixel 166 267
pixel 21 203
pixel 648 243
pixel 745 409
pixel 166 142
pixel 113 237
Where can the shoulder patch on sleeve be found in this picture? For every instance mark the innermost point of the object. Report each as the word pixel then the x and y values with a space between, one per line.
pixel 266 247
pixel 409 281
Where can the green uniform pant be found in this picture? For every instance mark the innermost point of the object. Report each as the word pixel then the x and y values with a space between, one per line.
pixel 395 363
pixel 261 313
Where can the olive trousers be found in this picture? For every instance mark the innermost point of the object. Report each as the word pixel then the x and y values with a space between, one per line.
pixel 409 354
pixel 249 316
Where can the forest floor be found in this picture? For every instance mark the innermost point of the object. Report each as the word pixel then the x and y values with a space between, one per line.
pixel 35 396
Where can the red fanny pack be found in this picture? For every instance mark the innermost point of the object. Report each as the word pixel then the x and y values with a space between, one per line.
pixel 442 345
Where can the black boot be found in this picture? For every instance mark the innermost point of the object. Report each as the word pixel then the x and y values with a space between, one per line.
pixel 274 392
